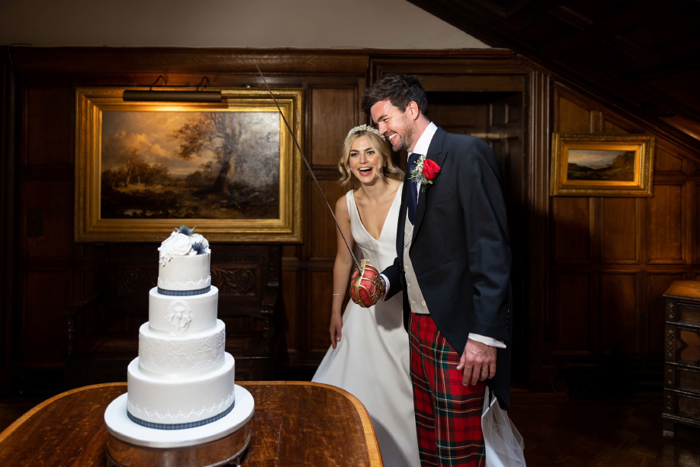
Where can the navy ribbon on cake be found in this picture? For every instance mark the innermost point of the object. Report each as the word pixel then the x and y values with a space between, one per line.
pixel 184 293
pixel 180 426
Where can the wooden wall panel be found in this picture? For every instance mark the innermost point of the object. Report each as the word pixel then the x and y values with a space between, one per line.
pixel 333 112
pixel 572 241
pixel 45 295
pixel 589 256
pixel 323 234
pixel 49 126
pixel 460 119
pixel 333 84
pixel 320 297
pixel 572 314
pixel 572 118
pixel 619 230
pixel 610 128
pixel 696 225
pixel 290 291
pixel 44 227
pixel 665 161
pixel 626 246
pixel 618 313
pixel 665 225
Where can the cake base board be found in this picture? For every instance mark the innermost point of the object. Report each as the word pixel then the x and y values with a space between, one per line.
pixel 126 432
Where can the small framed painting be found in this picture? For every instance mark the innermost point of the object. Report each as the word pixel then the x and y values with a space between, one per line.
pixel 602 165
pixel 229 168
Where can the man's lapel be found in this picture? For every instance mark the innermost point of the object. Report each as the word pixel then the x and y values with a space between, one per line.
pixel 435 154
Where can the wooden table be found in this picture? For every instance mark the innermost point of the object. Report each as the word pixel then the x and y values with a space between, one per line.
pixel 295 423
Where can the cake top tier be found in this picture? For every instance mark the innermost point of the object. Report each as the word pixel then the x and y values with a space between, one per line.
pixel 183 242
pixel 184 263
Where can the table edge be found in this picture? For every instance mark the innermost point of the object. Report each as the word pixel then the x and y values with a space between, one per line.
pixel 17 423
pixel 374 453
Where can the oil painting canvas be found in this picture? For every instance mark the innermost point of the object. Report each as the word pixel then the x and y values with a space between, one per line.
pixel 208 165
pixel 591 164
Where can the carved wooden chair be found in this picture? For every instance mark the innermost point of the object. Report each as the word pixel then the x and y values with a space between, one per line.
pixel 103 326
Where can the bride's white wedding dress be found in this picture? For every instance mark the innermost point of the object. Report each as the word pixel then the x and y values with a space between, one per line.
pixel 371 361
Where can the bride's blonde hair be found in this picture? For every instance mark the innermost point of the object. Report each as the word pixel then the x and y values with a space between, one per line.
pixel 379 144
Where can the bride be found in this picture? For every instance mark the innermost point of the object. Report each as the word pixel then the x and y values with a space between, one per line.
pixel 369 353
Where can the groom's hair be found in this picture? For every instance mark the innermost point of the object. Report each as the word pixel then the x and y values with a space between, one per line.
pixel 400 89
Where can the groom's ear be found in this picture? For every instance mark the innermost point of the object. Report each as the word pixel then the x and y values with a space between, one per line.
pixel 412 110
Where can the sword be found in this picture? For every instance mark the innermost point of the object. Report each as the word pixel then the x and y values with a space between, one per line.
pixel 313 176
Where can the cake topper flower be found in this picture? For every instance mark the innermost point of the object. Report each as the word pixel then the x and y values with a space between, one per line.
pixel 199 248
pixel 177 245
pixel 197 239
pixel 186 230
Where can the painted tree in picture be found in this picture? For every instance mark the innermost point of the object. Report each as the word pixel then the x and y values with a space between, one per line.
pixel 209 165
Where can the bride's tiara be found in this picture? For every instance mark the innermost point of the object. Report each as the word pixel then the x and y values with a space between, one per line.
pixel 365 128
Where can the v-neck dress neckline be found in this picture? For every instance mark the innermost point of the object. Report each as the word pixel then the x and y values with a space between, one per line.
pixel 356 211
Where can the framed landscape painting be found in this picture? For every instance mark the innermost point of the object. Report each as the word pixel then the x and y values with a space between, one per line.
pixel 602 165
pixel 231 169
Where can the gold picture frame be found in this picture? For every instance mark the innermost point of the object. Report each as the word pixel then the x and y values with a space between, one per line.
pixel 231 169
pixel 602 165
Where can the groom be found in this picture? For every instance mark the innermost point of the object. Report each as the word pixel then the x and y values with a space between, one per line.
pixel 453 266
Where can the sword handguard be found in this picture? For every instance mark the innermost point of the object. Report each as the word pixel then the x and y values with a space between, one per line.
pixel 366 285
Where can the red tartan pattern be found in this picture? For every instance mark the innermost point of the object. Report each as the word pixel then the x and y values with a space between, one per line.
pixel 448 414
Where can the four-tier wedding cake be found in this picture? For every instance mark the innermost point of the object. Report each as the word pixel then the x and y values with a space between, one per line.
pixel 182 376
pixel 183 379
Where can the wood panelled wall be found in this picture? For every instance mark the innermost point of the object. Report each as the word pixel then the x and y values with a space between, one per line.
pixel 51 270
pixel 591 270
pixel 613 258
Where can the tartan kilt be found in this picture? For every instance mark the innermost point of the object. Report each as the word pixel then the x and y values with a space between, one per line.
pixel 448 414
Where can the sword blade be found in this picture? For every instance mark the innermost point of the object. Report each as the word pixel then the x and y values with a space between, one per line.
pixel 308 167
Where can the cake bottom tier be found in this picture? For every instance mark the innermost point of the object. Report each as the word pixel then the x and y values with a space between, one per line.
pixel 185 400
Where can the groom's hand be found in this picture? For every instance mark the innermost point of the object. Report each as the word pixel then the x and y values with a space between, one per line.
pixel 478 362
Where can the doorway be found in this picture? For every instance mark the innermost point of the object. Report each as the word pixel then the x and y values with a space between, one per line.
pixel 498 118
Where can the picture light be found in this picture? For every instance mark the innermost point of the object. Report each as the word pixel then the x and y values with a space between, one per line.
pixel 173 96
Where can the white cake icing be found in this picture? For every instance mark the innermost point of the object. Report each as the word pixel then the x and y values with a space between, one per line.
pixel 174 357
pixel 180 400
pixel 183 374
pixel 165 311
pixel 185 273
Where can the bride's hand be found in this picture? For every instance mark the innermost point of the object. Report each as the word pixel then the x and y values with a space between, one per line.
pixel 336 329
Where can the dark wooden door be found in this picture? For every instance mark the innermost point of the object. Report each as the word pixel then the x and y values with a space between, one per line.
pixel 497 118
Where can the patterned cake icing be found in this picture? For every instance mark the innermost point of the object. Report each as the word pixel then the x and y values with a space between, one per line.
pixel 182 377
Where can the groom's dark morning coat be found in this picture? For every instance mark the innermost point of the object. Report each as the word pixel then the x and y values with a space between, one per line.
pixel 460 251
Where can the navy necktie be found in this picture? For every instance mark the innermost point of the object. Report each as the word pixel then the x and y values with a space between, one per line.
pixel 412 189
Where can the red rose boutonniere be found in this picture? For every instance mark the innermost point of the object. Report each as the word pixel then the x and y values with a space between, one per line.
pixel 425 172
